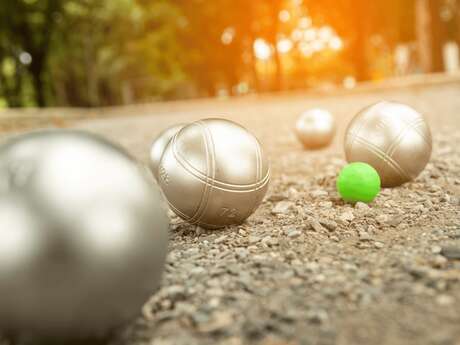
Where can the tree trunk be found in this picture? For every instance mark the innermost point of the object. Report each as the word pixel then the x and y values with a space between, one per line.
pixel 36 70
pixel 458 22
pixel 430 35
pixel 359 55
pixel 273 36
pixel 359 44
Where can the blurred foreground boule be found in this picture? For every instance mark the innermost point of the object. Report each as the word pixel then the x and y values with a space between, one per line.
pixel 393 138
pixel 83 235
pixel 214 173
pixel 158 146
pixel 315 128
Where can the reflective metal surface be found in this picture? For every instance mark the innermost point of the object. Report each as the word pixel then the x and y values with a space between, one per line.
pixel 392 137
pixel 214 173
pixel 83 235
pixel 158 146
pixel 315 128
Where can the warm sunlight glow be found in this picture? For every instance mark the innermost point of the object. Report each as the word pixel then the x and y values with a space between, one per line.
pixel 262 49
pixel 228 35
pixel 336 43
pixel 306 49
pixel 284 16
pixel 326 33
pixel 318 45
pixel 305 22
pixel 297 35
pixel 349 82
pixel 310 34
pixel 284 45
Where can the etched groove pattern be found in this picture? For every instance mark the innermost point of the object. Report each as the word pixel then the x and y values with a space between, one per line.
pixel 211 175
pixel 353 132
pixel 419 130
pixel 259 172
pixel 213 201
pixel 394 145
pixel 218 184
pixel 383 156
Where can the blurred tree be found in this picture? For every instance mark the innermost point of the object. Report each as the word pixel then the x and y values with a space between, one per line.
pixel 361 23
pixel 431 34
pixel 115 52
pixel 88 52
pixel 99 52
pixel 457 17
pixel 216 36
pixel 27 31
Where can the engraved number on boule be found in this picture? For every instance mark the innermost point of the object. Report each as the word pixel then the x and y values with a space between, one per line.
pixel 228 212
pixel 164 175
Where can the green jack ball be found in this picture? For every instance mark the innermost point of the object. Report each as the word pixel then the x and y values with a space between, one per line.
pixel 358 182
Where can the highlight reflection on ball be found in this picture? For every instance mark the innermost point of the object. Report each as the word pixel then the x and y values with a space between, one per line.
pixel 393 138
pixel 315 128
pixel 83 234
pixel 214 173
pixel 158 146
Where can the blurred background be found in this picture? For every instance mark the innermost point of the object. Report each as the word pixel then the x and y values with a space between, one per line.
pixel 91 53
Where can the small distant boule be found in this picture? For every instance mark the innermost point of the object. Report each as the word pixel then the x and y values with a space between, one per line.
pixel 83 236
pixel 214 173
pixel 315 128
pixel 158 146
pixel 393 138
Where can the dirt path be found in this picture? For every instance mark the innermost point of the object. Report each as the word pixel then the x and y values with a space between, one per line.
pixel 376 275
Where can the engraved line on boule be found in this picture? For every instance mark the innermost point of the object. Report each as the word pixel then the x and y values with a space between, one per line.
pixel 218 184
pixel 205 193
pixel 250 210
pixel 211 162
pixel 354 129
pixel 259 163
pixel 186 217
pixel 418 129
pixel 394 145
pixel 408 126
pixel 176 155
pixel 379 153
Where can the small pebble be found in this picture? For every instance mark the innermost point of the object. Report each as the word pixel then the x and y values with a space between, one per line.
pixel 294 233
pixel 318 193
pixel 328 224
pixel 381 218
pixel 364 236
pixel 451 252
pixel 316 225
pixel 445 300
pixel 283 207
pixel 347 216
pixel 379 245
pixel 436 249
pixel 361 206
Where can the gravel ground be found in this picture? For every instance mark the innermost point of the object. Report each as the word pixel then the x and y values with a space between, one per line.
pixel 307 268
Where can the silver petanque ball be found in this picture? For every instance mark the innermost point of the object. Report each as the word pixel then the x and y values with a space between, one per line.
pixel 393 138
pixel 315 128
pixel 158 146
pixel 83 235
pixel 214 173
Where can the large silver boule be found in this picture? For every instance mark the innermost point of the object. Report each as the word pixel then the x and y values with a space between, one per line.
pixel 214 173
pixel 315 128
pixel 83 235
pixel 392 137
pixel 158 146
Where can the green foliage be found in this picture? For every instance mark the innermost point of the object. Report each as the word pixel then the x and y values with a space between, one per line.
pixel 88 52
